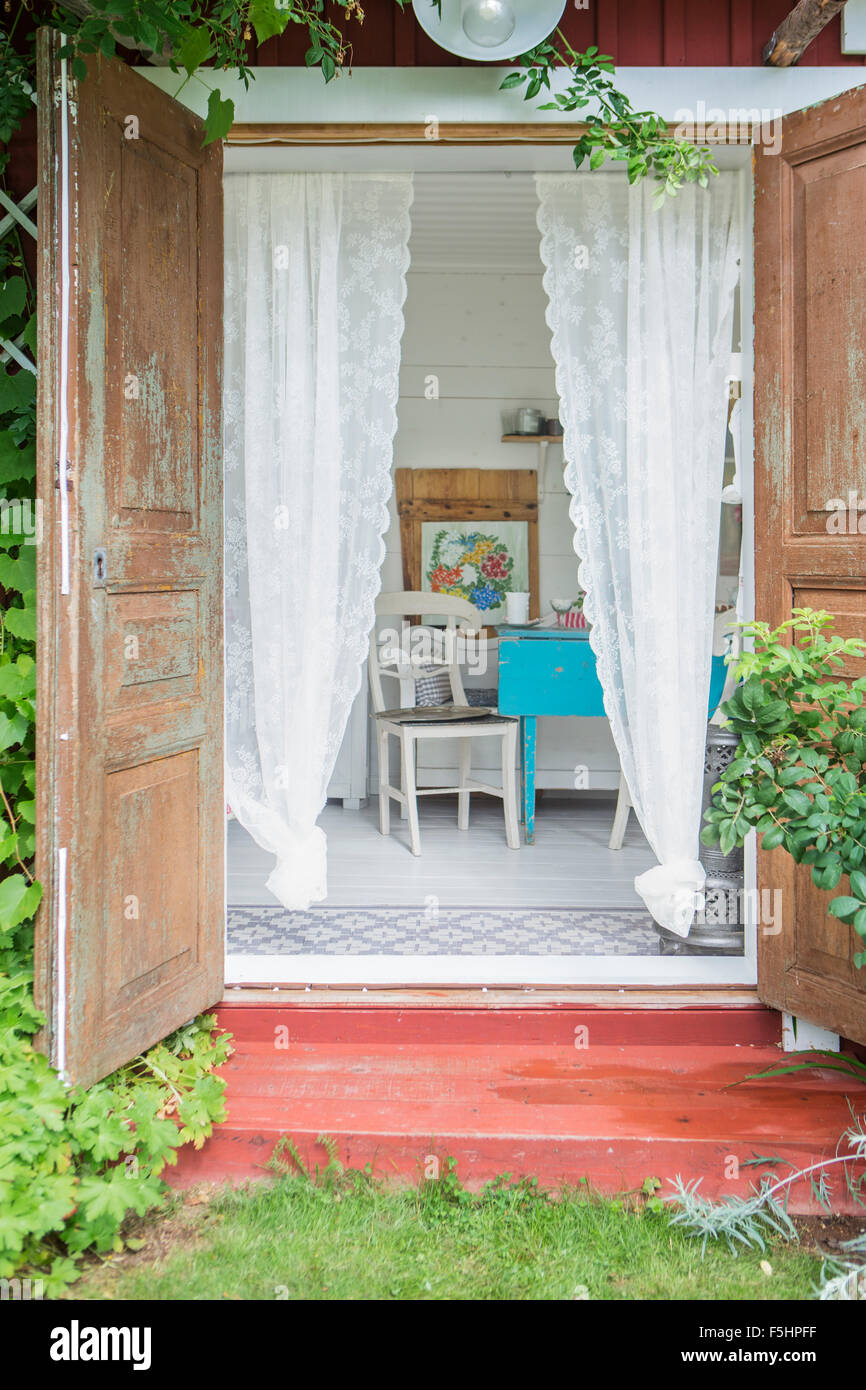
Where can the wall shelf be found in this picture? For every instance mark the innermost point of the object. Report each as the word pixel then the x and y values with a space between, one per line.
pixel 542 441
pixel 532 439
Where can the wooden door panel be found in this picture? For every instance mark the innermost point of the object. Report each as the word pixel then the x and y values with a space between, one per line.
pixel 829 274
pixel 810 450
pixel 154 244
pixel 153 648
pixel 131 675
pixel 151 814
pixel 849 607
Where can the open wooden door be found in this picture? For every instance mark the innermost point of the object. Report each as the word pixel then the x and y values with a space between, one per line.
pixel 810 435
pixel 130 714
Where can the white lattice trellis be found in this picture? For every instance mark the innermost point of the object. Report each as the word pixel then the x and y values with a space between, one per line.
pixel 16 215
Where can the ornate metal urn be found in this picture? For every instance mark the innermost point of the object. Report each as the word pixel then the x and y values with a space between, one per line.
pixel 718 928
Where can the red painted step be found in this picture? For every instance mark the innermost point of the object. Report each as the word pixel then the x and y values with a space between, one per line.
pixel 538 1024
pixel 561 1094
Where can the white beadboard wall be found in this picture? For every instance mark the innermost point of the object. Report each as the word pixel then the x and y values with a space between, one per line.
pixel 475 319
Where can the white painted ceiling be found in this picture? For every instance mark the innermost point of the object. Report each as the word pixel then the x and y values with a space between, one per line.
pixel 474 207
pixel 478 221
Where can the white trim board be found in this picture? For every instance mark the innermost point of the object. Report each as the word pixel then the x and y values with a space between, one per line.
pixel 854 27
pixel 489 971
pixel 472 94
pixel 433 158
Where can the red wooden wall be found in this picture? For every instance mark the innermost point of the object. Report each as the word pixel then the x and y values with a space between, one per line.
pixel 20 176
pixel 638 33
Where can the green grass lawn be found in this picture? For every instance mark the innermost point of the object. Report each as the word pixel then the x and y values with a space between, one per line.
pixel 351 1238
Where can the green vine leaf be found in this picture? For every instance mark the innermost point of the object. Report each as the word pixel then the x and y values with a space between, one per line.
pixel 19 899
pixel 19 573
pixel 267 18
pixel 17 461
pixel 17 682
pixel 218 121
pixel 12 730
pixel 17 390
pixel 13 297
pixel 22 621
pixel 193 50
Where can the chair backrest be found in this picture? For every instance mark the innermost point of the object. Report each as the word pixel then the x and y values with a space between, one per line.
pixel 410 652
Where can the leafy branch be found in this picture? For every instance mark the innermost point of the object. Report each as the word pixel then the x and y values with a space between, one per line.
pixel 613 129
pixel 188 36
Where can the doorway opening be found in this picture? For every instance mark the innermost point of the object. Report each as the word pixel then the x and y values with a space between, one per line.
pixel 561 910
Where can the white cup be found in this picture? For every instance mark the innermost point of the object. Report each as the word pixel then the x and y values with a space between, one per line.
pixel 517 607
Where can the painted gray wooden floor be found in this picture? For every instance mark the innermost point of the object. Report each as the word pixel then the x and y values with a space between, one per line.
pixel 568 866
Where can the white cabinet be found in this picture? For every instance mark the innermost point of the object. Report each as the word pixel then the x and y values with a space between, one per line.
pixel 349 779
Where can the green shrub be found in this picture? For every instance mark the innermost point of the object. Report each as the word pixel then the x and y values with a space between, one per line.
pixel 799 776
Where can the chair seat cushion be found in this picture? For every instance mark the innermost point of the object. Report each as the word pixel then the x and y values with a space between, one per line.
pixel 483 697
pixel 443 714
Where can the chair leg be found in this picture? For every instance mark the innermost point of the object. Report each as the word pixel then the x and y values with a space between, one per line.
pixel 404 809
pixel 465 770
pixel 408 744
pixel 384 779
pixel 620 819
pixel 509 786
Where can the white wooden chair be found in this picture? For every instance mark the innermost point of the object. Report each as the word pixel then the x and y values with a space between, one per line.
pixel 402 658
pixel 620 817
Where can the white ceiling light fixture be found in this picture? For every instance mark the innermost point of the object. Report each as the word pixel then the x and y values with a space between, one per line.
pixel 490 31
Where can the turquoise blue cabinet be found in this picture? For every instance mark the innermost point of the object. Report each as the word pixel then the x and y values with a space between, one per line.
pixel 549 671
pixel 552 671
pixel 544 671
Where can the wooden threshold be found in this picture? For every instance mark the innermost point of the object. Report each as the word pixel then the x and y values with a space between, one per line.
pixel 507 997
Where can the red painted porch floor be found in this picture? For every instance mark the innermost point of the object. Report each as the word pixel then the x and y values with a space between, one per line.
pixel 563 1093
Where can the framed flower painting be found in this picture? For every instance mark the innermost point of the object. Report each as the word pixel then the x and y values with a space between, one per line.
pixel 470 532
pixel 478 561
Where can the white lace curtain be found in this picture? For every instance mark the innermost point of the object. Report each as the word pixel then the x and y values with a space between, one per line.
pixel 641 309
pixel 315 284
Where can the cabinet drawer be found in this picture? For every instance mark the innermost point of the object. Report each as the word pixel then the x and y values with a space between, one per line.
pixel 546 676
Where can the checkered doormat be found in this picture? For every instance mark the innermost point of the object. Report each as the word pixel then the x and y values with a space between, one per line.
pixel 446 931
